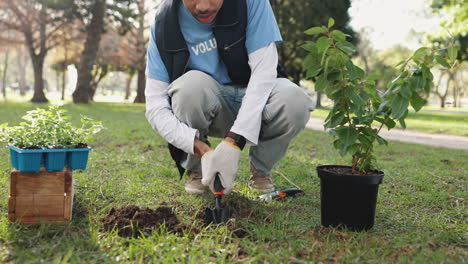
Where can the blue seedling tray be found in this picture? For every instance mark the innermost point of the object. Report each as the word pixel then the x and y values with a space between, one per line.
pixel 26 160
pixel 55 159
pixel 77 159
pixel 31 160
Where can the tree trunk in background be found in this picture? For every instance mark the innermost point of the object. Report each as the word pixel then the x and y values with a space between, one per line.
pixel 127 86
pixel 5 70
pixel 319 100
pixel 64 82
pixel 57 80
pixel 141 46
pixel 20 60
pixel 88 57
pixel 461 88
pixel 38 66
pixel 92 91
pixel 439 94
pixel 140 98
pixel 444 96
pixel 38 60
pixel 456 91
pixel 97 75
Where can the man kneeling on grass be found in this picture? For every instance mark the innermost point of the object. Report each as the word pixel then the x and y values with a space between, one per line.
pixel 212 70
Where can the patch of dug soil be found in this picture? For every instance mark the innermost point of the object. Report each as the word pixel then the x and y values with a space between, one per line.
pixel 241 208
pixel 237 229
pixel 131 220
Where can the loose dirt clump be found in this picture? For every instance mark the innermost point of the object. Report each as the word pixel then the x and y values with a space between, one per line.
pixel 131 221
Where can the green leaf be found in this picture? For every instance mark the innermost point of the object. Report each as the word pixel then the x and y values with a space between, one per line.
pixel 423 51
pixel 312 72
pixel 321 83
pixel 334 76
pixel 381 140
pixel 427 74
pixel 420 53
pixel 390 124
pixel 310 47
pixel 399 106
pixel 373 77
pixel 315 31
pixel 405 91
pixel 312 65
pixel 442 61
pixel 323 43
pixel 417 102
pixel 428 86
pixel 417 82
pixel 353 149
pixel 401 63
pixel 335 120
pixel 338 35
pixel 355 98
pixel 346 48
pixel 399 78
pixel 340 147
pixel 360 72
pixel 325 57
pixel 333 92
pixel 366 140
pixel 351 70
pixel 347 135
pixel 331 22
pixel 402 122
pixel 452 53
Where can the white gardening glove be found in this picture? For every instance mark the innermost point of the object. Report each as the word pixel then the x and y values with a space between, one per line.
pixel 224 159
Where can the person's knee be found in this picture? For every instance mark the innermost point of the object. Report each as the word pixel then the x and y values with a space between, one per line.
pixel 187 92
pixel 296 105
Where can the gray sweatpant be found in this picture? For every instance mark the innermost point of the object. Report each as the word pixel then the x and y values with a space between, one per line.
pixel 203 104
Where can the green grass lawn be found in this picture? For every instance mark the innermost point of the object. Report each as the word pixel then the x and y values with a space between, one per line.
pixel 421 211
pixel 453 123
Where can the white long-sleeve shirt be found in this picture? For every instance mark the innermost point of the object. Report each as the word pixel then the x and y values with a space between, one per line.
pixel 262 62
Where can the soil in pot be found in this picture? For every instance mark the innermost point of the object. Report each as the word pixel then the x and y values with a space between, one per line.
pixel 131 221
pixel 348 200
pixel 81 145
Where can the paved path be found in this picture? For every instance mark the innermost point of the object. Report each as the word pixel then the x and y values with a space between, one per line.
pixel 448 141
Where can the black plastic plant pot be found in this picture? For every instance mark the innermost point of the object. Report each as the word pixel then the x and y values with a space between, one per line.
pixel 348 200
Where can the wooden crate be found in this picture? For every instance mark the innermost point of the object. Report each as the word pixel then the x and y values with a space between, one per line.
pixel 41 197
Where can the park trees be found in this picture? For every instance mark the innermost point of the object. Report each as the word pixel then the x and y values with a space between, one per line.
pixel 139 41
pixel 39 26
pixel 68 53
pixel 117 52
pixel 7 43
pixel 96 15
pixel 294 16
pixel 454 28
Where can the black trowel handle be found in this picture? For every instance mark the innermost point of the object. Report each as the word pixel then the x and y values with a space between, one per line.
pixel 218 187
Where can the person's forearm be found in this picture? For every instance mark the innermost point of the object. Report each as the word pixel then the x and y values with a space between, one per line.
pixel 200 148
pixel 163 120
pixel 263 63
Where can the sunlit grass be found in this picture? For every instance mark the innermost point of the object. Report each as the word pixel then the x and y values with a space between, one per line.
pixel 421 212
pixel 428 121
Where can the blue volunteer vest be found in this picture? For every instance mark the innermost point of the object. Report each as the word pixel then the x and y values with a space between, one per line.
pixel 229 29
